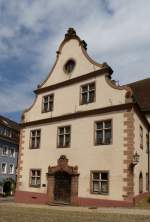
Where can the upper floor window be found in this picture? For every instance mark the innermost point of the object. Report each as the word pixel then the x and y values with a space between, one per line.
pixel 100 182
pixel 103 132
pixel 35 138
pixel 35 177
pixel 4 168
pixel 11 169
pixel 141 137
pixel 64 136
pixel 88 93
pixel 48 103
pixel 5 151
pixel 12 152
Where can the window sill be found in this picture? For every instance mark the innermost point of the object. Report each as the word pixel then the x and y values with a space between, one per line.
pixel 43 111
pixel 103 194
pixel 102 144
pixel 35 186
pixel 61 147
pixel 34 148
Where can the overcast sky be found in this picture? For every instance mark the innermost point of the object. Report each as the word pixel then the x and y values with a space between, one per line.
pixel 116 31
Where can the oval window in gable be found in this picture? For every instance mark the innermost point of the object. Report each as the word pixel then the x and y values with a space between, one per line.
pixel 69 66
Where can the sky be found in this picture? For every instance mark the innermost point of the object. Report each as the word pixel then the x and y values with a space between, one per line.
pixel 116 31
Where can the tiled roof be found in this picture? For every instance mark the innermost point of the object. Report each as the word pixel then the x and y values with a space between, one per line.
pixel 141 91
pixel 7 122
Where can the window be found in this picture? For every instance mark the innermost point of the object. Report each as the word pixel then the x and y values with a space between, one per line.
pixel 147 143
pixel 88 93
pixel 11 169
pixel 4 168
pixel 12 152
pixel 141 183
pixel 103 132
pixel 35 139
pixel 69 66
pixel 5 151
pixel 100 182
pixel 147 182
pixel 141 137
pixel 64 136
pixel 48 103
pixel 35 178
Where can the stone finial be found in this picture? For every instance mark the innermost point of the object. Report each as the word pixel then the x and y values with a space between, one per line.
pixel 70 33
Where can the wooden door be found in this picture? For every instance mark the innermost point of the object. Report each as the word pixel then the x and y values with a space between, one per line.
pixel 62 188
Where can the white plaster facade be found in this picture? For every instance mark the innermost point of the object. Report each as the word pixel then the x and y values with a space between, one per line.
pixel 82 151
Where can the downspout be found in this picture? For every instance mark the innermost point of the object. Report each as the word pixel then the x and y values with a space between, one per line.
pixel 148 162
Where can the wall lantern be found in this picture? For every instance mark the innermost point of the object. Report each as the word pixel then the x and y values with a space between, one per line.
pixel 136 158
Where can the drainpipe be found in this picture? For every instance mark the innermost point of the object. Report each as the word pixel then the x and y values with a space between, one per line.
pixel 148 162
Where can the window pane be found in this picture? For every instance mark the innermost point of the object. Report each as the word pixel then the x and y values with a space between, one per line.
pixel 46 99
pixel 67 140
pixel 99 125
pixel 61 130
pixel 32 180
pixel 33 172
pixel 38 142
pixel 38 181
pixel 99 137
pixel 38 172
pixel 96 176
pixel 84 98
pixel 107 136
pixel 91 96
pixel 107 124
pixel 84 88
pixel 104 187
pixel 92 86
pixel 61 140
pixel 95 186
pixel 104 176
pixel 67 129
pixel 33 133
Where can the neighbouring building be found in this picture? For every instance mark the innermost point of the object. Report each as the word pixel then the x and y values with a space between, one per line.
pixel 85 139
pixel 9 147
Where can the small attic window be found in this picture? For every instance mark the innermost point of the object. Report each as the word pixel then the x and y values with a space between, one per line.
pixel 69 66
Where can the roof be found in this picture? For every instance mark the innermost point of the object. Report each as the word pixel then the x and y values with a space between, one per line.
pixel 9 123
pixel 141 92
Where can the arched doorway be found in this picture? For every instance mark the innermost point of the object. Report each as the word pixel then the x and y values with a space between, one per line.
pixel 141 183
pixel 62 187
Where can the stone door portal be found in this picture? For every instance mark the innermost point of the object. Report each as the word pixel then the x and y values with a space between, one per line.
pixel 62 182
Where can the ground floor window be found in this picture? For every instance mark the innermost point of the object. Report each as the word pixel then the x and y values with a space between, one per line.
pixel 141 183
pixel 100 182
pixel 35 177
pixel 147 182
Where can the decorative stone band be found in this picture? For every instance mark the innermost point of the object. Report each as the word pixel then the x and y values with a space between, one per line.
pixel 20 159
pixel 82 114
pixel 105 70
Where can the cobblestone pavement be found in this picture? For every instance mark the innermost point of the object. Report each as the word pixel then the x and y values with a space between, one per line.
pixel 128 211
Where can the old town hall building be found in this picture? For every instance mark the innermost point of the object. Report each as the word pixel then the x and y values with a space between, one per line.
pixel 85 139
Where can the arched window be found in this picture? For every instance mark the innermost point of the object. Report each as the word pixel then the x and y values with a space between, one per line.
pixel 140 183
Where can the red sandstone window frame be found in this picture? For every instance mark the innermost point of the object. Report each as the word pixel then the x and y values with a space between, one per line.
pixel 31 176
pixel 35 138
pixel 49 103
pixel 99 181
